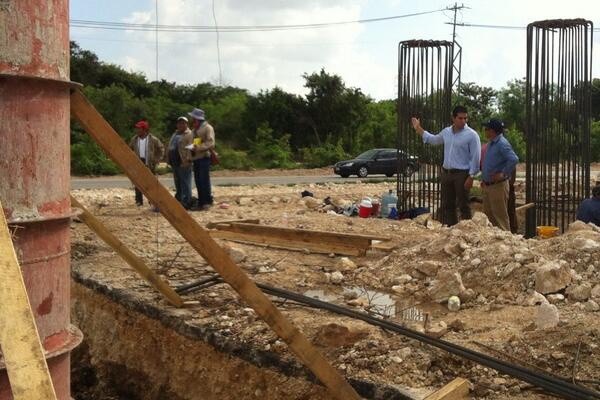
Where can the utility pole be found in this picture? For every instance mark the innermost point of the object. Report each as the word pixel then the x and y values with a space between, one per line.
pixel 156 37
pixel 456 48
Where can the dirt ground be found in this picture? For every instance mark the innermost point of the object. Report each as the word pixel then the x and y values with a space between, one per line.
pixel 495 274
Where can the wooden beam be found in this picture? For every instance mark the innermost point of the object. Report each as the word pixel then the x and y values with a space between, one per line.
pixel 212 225
pixel 286 244
pixel 458 389
pixel 305 235
pixel 21 347
pixel 525 207
pixel 199 239
pixel 133 260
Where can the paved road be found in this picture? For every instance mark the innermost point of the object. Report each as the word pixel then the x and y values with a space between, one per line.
pixel 167 180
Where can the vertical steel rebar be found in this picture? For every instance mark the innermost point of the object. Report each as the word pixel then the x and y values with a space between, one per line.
pixel 424 90
pixel 558 120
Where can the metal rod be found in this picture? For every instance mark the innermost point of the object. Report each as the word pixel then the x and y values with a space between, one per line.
pixel 558 120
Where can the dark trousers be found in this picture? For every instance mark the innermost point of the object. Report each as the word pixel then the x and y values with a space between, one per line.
pixel 454 195
pixel 202 178
pixel 182 176
pixel 512 203
pixel 139 198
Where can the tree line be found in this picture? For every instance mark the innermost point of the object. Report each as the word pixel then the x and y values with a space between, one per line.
pixel 273 128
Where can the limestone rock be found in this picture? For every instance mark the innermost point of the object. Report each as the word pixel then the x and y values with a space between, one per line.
pixel 453 249
pixel 437 329
pixel 555 298
pixel 579 226
pixel 595 293
pixel 579 292
pixel 337 277
pixel 467 295
pixel 552 277
pixel 591 306
pixel 429 268
pixel 345 264
pixel 480 219
pixel 584 244
pixel 535 298
pixel 402 279
pixel 311 202
pixel 422 219
pixel 237 254
pixel 446 284
pixel 547 316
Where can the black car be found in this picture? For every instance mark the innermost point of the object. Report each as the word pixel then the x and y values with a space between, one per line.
pixel 378 161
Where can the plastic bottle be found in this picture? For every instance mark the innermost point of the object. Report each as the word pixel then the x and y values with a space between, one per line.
pixel 387 200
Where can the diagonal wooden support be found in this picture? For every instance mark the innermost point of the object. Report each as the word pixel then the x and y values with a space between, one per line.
pixel 134 261
pixel 199 239
pixel 21 347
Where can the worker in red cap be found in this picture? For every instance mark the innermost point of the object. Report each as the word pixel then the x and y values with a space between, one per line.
pixel 148 148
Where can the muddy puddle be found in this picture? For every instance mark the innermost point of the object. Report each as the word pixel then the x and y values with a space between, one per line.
pixel 380 304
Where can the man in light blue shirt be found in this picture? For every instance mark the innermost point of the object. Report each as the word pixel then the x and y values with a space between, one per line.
pixel 498 163
pixel 462 152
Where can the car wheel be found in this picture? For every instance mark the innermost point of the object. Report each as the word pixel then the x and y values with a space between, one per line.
pixel 363 172
pixel 344 175
pixel 409 170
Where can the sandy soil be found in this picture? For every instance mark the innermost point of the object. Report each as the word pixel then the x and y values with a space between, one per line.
pixel 496 271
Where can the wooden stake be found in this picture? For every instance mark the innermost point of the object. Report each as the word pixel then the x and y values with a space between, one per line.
pixel 458 389
pixel 199 239
pixel 133 260
pixel 21 347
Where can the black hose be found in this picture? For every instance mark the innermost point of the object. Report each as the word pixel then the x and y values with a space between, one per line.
pixel 551 384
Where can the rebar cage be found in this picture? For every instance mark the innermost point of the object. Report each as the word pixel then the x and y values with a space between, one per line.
pixel 558 118
pixel 424 91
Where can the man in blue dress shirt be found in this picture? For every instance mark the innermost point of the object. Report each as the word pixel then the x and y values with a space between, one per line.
pixel 462 152
pixel 589 209
pixel 498 163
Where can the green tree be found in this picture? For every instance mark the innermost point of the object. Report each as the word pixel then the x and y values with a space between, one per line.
pixel 511 104
pixel 334 111
pixel 479 100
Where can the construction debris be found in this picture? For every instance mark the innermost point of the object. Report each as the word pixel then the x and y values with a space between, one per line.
pixel 494 273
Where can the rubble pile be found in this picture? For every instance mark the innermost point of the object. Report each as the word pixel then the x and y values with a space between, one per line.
pixel 535 300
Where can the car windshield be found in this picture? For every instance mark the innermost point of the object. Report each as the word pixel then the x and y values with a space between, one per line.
pixel 367 155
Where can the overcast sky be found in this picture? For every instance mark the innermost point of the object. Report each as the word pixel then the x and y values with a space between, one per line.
pixel 364 55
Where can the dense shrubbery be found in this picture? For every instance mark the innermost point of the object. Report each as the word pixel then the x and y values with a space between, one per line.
pixel 322 156
pixel 271 129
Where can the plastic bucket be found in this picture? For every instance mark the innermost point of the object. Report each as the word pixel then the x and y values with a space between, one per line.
pixel 365 208
pixel 546 231
pixel 375 207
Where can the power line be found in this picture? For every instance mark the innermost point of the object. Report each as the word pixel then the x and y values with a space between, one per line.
pixel 509 27
pixel 110 25
pixel 218 47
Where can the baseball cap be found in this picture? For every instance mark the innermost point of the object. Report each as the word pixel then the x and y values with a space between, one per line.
pixel 142 124
pixel 182 118
pixel 495 124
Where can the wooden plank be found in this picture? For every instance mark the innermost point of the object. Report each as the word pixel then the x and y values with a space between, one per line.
pixel 384 246
pixel 299 235
pixel 200 239
pixel 524 207
pixel 133 260
pixel 286 244
pixel 212 225
pixel 458 389
pixel 21 347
